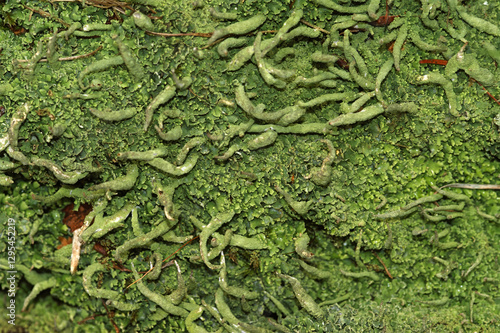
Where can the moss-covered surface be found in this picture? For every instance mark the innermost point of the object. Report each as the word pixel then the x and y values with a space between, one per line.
pixel 286 204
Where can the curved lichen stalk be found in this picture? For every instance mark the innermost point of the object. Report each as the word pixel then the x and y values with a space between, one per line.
pixel 238 28
pixel 173 170
pixel 163 97
pixel 67 177
pixel 300 207
pixel 303 297
pixel 40 281
pixel 301 244
pixel 103 225
pixel 165 197
pixel 164 302
pixel 322 175
pixel 114 115
pixel 238 292
pixel 98 66
pixel 114 298
pixel 121 253
pixel 123 183
pixel 215 223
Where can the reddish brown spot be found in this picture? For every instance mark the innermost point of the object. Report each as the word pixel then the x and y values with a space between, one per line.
pixel 434 61
pixel 386 19
pixel 342 63
pixel 74 219
pixel 383 21
pixel 101 249
pixel 18 30
pixel 391 47
pixel 64 241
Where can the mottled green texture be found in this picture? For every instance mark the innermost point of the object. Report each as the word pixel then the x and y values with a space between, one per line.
pixel 5 180
pixel 67 192
pixel 264 69
pixel 123 183
pixel 239 28
pixel 382 74
pixel 229 43
pixel 66 177
pixel 223 16
pixel 15 123
pixel 361 178
pixel 114 115
pixel 300 207
pixel 436 78
pixel 163 97
pixel 164 302
pixel 142 21
pixel 171 169
pixel 470 65
pixel 317 273
pixel 190 324
pixel 480 24
pixel 341 8
pixel 101 226
pixel 122 251
pixel 327 98
pixel 215 223
pixel 265 139
pixel 370 275
pixel 143 156
pixel 357 104
pixel 351 118
pixel 421 44
pixel 398 44
pixel 301 243
pixel 233 290
pixel 225 311
pixel 89 286
pixel 37 289
pixel 4 142
pixel 97 67
pixel 303 297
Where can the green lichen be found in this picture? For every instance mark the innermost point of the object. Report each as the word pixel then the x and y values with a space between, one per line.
pixel 312 164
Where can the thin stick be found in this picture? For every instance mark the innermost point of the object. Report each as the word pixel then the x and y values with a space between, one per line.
pixel 45 14
pixel 315 27
pixel 82 55
pixel 100 4
pixel 444 62
pixel 441 62
pixel 92 317
pixel 195 34
pixel 110 316
pixel 189 241
pixel 473 186
pixel 68 58
pixel 248 34
pixel 385 267
pixel 487 92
